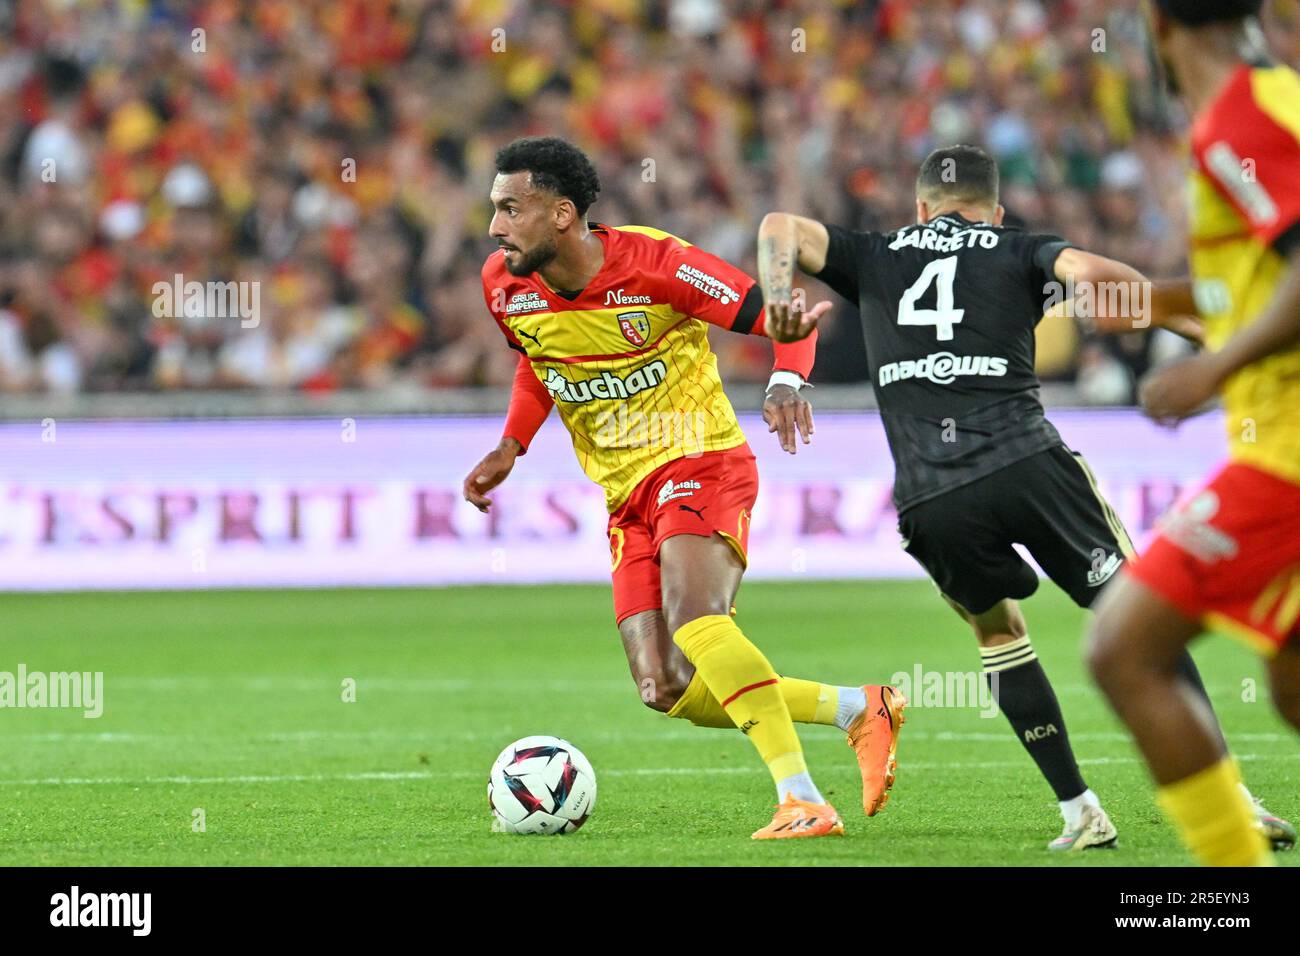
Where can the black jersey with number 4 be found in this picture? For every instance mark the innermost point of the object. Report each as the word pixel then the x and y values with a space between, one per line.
pixel 949 309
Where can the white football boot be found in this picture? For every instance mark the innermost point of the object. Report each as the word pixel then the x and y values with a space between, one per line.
pixel 1093 831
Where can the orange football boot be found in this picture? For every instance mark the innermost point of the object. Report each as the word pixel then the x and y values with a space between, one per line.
pixel 801 818
pixel 874 736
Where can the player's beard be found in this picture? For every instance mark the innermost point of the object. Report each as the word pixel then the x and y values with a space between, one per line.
pixel 529 262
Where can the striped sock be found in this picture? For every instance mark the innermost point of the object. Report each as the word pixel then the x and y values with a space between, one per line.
pixel 1023 692
pixel 1006 656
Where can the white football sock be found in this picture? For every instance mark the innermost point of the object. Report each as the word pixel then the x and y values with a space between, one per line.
pixel 1071 810
pixel 801 785
pixel 852 702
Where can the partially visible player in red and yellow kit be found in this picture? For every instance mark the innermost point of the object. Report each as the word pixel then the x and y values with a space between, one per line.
pixel 1228 556
pixel 611 324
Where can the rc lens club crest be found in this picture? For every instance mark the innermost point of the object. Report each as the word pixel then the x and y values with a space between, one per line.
pixel 635 327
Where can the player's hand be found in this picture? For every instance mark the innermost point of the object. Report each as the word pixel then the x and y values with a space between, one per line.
pixel 1178 390
pixel 786 411
pixel 787 322
pixel 489 473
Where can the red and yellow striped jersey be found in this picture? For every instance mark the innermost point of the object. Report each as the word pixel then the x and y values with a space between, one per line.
pixel 1245 217
pixel 627 360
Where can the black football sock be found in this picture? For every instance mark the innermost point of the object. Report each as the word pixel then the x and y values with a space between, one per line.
pixel 1023 692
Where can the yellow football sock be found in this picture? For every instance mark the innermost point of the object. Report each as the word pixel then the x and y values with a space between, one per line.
pixel 1214 818
pixel 740 677
pixel 700 707
pixel 809 703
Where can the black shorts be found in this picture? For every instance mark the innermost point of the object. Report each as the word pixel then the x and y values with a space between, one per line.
pixel 1049 503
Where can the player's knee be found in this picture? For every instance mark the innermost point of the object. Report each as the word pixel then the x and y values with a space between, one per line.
pixel 996 637
pixel 680 610
pixel 999 625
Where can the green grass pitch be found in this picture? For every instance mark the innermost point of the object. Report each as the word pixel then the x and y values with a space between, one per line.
pixel 231 702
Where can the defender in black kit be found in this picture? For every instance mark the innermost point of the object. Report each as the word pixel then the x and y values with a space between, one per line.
pixel 949 306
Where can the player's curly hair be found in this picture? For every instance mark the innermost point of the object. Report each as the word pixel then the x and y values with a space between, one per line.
pixel 556 165
pixel 1194 13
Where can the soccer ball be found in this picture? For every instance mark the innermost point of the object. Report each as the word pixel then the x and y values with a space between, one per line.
pixel 541 785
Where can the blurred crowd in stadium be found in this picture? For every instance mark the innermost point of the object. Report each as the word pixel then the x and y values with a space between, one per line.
pixel 339 153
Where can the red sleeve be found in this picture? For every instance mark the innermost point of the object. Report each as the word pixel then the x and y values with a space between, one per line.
pixel 711 289
pixel 791 356
pixel 1252 159
pixel 494 299
pixel 530 403
pixel 717 292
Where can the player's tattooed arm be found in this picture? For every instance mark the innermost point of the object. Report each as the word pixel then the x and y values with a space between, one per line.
pixel 801 241
pixel 785 241
pixel 1178 390
pixel 776 256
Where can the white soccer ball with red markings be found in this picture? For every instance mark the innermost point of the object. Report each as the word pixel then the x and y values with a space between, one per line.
pixel 541 785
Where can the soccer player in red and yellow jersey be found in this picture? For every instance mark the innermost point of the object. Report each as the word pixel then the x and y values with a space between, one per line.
pixel 612 327
pixel 1229 555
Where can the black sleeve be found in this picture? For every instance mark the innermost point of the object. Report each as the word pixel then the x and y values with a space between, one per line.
pixel 750 309
pixel 1289 241
pixel 843 263
pixel 1041 252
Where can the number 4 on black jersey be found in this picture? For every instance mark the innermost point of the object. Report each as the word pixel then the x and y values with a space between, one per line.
pixel 948 312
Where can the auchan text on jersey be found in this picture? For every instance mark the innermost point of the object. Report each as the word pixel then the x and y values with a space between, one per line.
pixel 605 385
